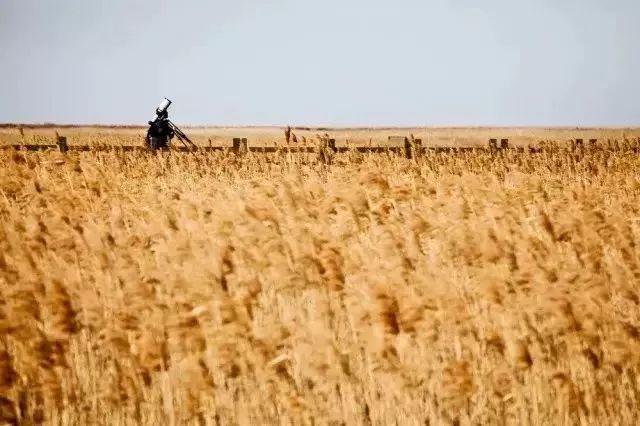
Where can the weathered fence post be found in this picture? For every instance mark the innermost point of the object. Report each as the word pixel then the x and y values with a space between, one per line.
pixel 412 147
pixel 61 141
pixel 326 149
pixel 331 144
pixel 577 144
pixel 417 148
pixel 407 149
pixel 240 145
pixel 287 134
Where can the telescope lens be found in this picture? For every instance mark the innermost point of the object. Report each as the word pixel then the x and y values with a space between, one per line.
pixel 164 105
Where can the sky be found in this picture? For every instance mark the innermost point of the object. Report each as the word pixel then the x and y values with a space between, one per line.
pixel 325 62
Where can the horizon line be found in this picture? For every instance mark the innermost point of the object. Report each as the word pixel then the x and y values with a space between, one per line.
pixel 320 127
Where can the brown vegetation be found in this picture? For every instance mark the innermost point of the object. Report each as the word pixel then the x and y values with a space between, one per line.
pixel 261 136
pixel 482 288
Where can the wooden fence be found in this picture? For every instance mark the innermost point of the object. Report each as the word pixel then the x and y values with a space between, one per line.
pixel 408 147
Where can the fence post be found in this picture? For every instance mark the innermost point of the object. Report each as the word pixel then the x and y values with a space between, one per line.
pixel 493 144
pixel 407 149
pixel 326 150
pixel 331 144
pixel 240 145
pixel 504 143
pixel 417 147
pixel 61 141
pixel 577 144
pixel 412 147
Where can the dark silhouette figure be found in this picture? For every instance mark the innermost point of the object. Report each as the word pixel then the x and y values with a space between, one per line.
pixel 160 131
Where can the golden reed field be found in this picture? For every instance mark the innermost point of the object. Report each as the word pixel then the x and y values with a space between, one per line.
pixel 213 288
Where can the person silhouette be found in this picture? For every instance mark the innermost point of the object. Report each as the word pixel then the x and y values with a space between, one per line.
pixel 160 133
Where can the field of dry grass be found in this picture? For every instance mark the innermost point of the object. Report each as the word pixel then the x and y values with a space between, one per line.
pixel 260 136
pixel 468 288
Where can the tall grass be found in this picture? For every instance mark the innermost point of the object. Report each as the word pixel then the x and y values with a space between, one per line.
pixel 213 289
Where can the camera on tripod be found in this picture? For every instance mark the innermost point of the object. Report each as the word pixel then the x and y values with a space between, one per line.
pixel 162 130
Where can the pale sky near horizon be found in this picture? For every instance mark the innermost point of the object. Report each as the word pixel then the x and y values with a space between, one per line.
pixel 331 62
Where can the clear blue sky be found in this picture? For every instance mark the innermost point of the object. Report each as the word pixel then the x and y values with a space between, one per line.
pixel 329 62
